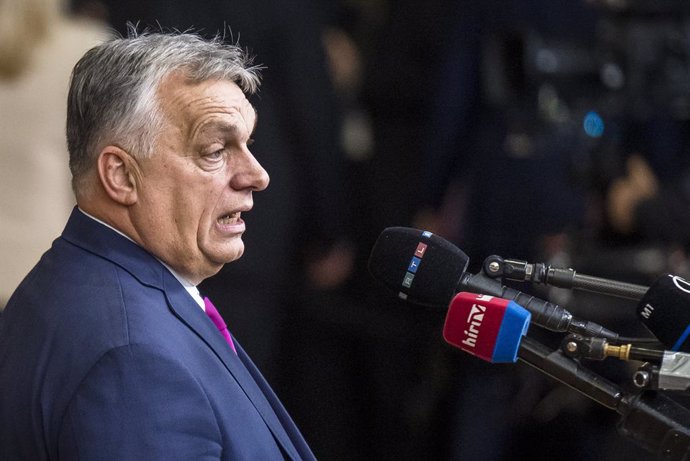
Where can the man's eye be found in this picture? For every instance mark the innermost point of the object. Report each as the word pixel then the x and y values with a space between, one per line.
pixel 217 155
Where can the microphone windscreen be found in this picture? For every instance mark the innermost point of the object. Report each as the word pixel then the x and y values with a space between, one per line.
pixel 419 266
pixel 487 327
pixel 665 310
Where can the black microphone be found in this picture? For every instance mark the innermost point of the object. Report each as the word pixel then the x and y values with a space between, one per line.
pixel 426 269
pixel 665 310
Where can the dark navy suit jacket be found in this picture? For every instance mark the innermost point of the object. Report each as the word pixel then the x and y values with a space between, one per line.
pixel 105 356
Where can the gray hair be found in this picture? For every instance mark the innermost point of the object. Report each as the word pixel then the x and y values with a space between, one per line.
pixel 113 91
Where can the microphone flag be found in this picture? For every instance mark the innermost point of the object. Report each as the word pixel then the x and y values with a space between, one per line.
pixel 485 326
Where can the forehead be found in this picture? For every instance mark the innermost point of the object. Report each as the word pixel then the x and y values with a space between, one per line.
pixel 192 105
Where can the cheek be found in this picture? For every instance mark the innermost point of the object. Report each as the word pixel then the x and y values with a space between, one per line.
pixel 158 204
pixel 208 201
pixel 189 198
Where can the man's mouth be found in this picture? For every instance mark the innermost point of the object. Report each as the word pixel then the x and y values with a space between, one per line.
pixel 230 219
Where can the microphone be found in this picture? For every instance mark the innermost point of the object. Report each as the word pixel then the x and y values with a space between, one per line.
pixel 487 327
pixel 665 310
pixel 426 269
pixel 397 256
pixel 651 419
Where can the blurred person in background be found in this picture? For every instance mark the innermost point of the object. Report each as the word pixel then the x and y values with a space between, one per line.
pixel 39 45
pixel 641 206
pixel 646 192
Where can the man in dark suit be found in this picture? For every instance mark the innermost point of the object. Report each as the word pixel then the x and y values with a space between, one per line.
pixel 105 349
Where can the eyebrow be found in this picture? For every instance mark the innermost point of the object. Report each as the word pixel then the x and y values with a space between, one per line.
pixel 225 127
pixel 256 121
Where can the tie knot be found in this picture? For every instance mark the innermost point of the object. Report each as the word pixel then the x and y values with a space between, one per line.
pixel 214 315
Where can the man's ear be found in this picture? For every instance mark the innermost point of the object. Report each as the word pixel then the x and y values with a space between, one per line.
pixel 118 173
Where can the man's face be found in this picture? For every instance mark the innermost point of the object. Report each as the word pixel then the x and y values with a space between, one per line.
pixel 200 178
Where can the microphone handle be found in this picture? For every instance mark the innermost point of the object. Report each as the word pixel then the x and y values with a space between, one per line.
pixel 568 278
pixel 652 420
pixel 656 423
pixel 545 314
pixel 567 371
pixel 513 269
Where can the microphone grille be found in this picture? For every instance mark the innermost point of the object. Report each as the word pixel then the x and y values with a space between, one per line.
pixel 419 266
pixel 664 310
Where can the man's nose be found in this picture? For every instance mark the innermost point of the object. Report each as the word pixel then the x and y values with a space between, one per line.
pixel 249 174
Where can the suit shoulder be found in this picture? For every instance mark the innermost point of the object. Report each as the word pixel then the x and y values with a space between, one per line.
pixel 72 291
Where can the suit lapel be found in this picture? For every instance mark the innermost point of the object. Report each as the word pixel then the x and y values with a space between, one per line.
pixel 184 307
pixel 98 239
pixel 286 421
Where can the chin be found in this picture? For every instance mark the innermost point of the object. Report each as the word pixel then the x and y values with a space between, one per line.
pixel 231 255
pixel 223 252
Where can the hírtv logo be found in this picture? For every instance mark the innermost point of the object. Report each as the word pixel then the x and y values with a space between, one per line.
pixel 474 322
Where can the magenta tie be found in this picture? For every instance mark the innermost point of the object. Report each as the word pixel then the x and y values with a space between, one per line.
pixel 217 320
